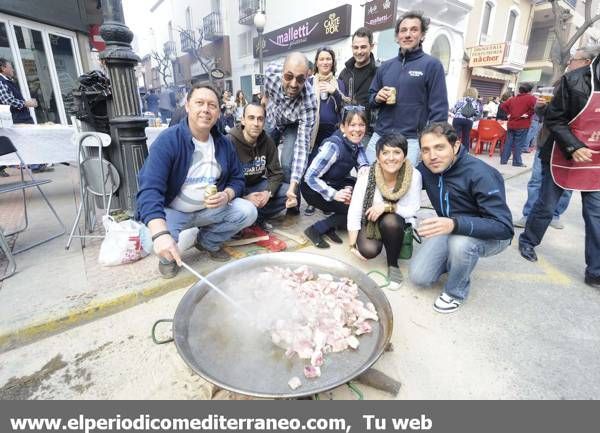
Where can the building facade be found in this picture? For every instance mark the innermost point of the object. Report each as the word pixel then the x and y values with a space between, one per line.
pixel 49 44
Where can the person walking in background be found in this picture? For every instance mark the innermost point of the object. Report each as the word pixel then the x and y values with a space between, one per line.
pixel 465 111
pixel 384 200
pixel 330 92
pixel 490 110
pixel 410 89
pixel 152 99
pixel 520 111
pixel 358 74
pixel 166 104
pixel 228 106
pixel 240 103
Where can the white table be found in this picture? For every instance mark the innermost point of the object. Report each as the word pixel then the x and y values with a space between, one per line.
pixel 45 144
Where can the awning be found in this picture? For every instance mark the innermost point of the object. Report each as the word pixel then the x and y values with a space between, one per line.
pixel 491 74
pixel 530 75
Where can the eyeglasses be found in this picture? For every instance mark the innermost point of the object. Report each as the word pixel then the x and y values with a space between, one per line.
pixel 300 79
pixel 573 59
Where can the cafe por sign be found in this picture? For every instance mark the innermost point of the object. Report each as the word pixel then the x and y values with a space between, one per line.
pixel 487 55
pixel 327 26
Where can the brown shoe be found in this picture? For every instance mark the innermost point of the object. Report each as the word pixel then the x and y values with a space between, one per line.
pixel 220 255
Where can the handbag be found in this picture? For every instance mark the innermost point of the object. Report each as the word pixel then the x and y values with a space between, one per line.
pixel 406 249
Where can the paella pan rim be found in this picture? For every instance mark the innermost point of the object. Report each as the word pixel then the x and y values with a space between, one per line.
pixel 324 264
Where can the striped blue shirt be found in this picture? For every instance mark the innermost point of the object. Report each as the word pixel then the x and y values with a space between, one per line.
pixel 283 111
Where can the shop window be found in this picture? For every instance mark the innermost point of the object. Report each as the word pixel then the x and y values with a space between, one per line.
pixel 441 51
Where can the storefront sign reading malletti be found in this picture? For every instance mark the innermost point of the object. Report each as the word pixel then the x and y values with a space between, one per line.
pixel 380 14
pixel 487 55
pixel 327 26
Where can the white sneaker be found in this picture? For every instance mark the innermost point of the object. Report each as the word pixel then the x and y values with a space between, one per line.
pixel 520 222
pixel 446 304
pixel 556 224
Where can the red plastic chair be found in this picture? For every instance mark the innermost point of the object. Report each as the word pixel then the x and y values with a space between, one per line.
pixel 490 132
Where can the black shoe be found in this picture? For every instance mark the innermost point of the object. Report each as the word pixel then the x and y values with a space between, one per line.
pixel 314 236
pixel 528 253
pixel 519 165
pixel 168 270
pixel 293 211
pixel 3 173
pixel 333 236
pixel 593 281
pixel 220 255
pixel 310 210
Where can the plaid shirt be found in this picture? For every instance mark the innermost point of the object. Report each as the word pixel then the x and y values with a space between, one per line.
pixel 283 111
pixel 327 156
pixel 7 97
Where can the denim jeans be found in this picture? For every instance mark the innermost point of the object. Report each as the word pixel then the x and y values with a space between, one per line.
pixel 456 255
pixel 286 151
pixel 515 140
pixel 532 133
pixel 413 149
pixel 541 215
pixel 533 190
pixel 215 225
pixel 275 204
pixel 463 130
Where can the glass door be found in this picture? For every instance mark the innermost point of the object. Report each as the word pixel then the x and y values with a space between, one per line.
pixel 37 72
pixel 65 67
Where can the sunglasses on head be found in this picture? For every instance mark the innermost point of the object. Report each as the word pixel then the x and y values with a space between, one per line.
pixel 349 108
pixel 300 79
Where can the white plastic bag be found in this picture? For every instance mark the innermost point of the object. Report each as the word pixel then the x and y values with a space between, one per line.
pixel 122 242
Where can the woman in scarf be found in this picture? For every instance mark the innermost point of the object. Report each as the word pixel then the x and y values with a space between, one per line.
pixel 383 202
pixel 329 91
pixel 327 183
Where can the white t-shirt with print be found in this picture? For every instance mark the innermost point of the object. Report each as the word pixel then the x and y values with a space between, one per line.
pixel 204 171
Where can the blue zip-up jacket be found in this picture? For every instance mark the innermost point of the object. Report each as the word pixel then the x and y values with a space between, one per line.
pixel 472 192
pixel 167 165
pixel 421 96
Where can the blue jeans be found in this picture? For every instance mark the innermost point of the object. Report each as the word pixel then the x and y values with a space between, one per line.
pixel 215 225
pixel 463 130
pixel 533 190
pixel 515 140
pixel 541 215
pixel 413 149
pixel 275 204
pixel 456 255
pixel 532 133
pixel 286 151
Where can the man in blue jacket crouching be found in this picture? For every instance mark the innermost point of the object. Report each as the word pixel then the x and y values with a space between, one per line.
pixel 473 219
pixel 185 162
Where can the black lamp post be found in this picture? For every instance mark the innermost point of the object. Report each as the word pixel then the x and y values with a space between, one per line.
pixel 260 19
pixel 128 150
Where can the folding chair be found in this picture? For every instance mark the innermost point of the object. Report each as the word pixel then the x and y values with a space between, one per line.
pixel 7 147
pixel 12 266
pixel 97 178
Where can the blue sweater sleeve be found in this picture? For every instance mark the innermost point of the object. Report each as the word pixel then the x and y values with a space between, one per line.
pixel 153 180
pixel 495 221
pixel 438 96
pixel 376 86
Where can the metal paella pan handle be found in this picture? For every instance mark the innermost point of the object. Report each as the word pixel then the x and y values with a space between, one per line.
pixel 156 340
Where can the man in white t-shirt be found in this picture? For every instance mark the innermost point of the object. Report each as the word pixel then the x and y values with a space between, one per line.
pixel 183 162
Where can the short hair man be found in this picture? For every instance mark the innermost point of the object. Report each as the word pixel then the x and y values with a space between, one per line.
pixel 359 73
pixel 183 161
pixel 520 109
pixel 473 219
pixel 291 110
pixel 420 85
pixel 570 161
pixel 260 163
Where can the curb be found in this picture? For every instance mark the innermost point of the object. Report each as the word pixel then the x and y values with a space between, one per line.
pixel 52 326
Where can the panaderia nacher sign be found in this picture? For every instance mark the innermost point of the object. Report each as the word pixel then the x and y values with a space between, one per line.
pixel 327 26
pixel 487 55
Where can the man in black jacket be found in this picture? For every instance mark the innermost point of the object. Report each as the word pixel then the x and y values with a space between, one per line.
pixel 359 72
pixel 572 101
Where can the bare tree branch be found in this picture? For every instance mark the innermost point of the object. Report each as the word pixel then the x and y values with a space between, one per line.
pixel 164 65
pixel 196 43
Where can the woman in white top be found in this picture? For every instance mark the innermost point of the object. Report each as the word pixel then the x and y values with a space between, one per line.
pixel 383 202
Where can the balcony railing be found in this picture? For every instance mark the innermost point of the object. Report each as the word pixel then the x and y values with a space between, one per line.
pixel 212 26
pixel 170 48
pixel 515 55
pixel 248 9
pixel 186 38
pixel 571 3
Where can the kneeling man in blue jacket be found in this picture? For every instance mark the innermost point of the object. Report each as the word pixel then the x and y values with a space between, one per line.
pixel 473 219
pixel 173 196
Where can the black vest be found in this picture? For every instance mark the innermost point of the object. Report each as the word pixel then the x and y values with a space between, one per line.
pixel 346 161
pixel 22 115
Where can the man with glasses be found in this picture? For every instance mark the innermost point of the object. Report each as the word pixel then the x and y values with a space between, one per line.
pixel 582 58
pixel 177 185
pixel 409 90
pixel 291 110
pixel 359 73
pixel 10 94
pixel 570 160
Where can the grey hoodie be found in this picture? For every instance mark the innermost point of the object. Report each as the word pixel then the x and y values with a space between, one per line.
pixel 259 161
